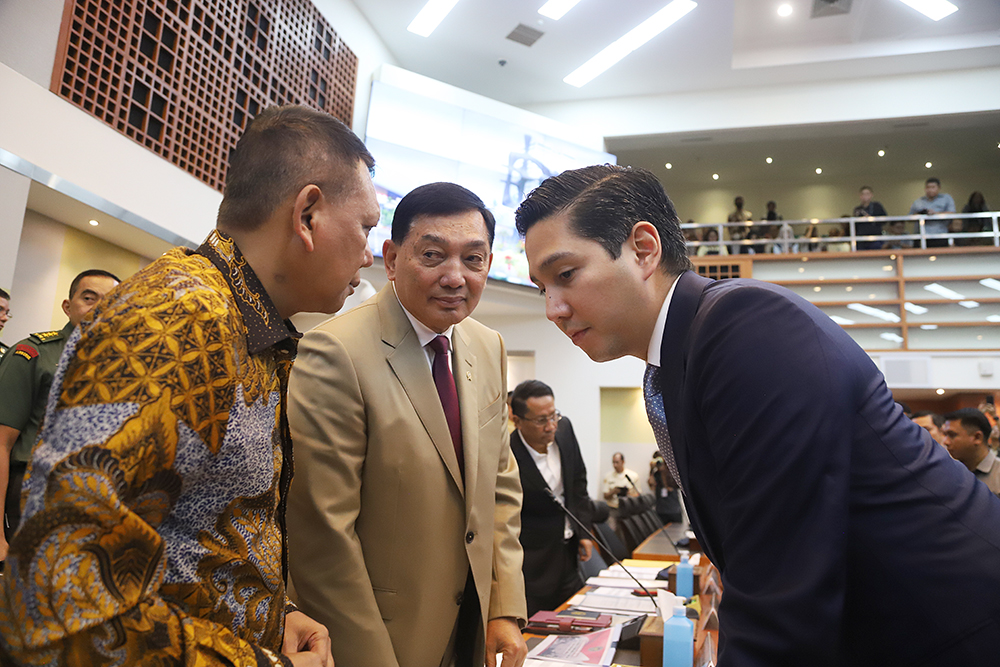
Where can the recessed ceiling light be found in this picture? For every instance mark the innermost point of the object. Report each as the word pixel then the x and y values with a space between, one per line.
pixel 430 16
pixel 940 392
pixel 818 170
pixel 629 42
pixel 669 166
pixel 715 177
pixel 932 9
pixel 94 223
pixel 881 153
pixel 556 9
pixel 928 164
pixel 768 160
pixel 785 10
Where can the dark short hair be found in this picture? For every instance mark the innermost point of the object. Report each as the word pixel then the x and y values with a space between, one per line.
pixel 604 202
pixel 971 420
pixel 4 294
pixel 937 419
pixel 437 199
pixel 75 285
pixel 866 187
pixel 283 150
pixel 524 391
pixel 932 179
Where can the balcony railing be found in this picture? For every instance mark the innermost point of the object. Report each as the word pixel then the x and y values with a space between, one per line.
pixel 804 237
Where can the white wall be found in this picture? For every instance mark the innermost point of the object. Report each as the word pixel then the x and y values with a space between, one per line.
pixel 963 91
pixel 13 197
pixel 29 34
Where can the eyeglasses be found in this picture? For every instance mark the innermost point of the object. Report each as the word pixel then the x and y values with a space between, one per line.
pixel 542 421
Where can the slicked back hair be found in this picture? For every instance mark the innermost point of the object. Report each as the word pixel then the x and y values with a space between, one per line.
pixel 524 391
pixel 283 150
pixel 604 202
pixel 438 199
pixel 936 419
pixel 972 420
pixel 75 285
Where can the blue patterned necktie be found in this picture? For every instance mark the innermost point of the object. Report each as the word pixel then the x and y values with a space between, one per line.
pixel 658 419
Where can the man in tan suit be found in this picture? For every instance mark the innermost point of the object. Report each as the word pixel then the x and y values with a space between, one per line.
pixel 404 514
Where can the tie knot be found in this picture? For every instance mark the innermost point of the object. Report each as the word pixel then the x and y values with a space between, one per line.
pixel 439 344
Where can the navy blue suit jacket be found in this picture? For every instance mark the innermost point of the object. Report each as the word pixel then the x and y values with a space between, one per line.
pixel 542 521
pixel 844 534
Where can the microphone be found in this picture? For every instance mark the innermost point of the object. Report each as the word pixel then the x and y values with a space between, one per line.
pixel 663 529
pixel 600 542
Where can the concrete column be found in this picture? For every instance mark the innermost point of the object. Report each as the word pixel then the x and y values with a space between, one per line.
pixel 13 201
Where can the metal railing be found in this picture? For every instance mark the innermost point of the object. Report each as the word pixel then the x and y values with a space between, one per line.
pixel 809 242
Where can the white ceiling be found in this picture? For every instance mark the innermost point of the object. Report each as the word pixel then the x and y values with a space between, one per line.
pixel 722 44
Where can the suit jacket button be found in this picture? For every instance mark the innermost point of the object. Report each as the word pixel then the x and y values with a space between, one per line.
pixel 458 599
pixel 469 536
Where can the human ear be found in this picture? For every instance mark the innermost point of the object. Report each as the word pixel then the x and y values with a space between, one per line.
pixel 389 254
pixel 645 243
pixel 308 203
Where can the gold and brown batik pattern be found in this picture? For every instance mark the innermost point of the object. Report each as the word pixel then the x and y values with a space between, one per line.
pixel 152 530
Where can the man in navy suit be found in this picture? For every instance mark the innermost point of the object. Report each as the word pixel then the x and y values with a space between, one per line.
pixel 549 461
pixel 844 534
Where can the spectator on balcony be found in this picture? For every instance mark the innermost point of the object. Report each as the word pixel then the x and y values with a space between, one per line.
pixel 690 236
pixel 772 213
pixel 712 236
pixel 933 202
pixel 837 232
pixel 976 204
pixel 896 228
pixel 740 214
pixel 872 209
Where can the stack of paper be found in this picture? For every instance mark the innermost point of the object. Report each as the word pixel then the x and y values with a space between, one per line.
pixel 596 649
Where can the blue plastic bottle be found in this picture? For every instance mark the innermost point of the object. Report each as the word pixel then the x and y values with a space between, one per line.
pixel 678 640
pixel 685 578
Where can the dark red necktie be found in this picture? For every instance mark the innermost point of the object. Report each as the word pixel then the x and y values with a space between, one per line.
pixel 445 383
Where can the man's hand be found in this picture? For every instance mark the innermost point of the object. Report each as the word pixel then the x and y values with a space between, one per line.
pixel 306 642
pixel 586 550
pixel 504 636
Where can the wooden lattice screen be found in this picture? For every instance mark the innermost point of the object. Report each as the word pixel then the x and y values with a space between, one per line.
pixel 184 77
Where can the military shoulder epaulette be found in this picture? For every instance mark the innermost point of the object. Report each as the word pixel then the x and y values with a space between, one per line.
pixel 25 351
pixel 47 336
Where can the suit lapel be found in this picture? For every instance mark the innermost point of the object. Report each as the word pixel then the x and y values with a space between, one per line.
pixel 466 374
pixel 409 363
pixel 673 353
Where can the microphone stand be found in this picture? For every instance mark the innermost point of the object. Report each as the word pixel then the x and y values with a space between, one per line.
pixel 607 550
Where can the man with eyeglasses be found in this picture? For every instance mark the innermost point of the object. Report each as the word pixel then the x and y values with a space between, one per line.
pixel 549 460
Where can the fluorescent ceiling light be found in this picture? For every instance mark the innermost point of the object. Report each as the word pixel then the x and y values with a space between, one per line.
pixel 992 283
pixel 895 338
pixel 928 327
pixel 941 290
pixel 430 16
pixel 914 308
pixel 969 304
pixel 874 312
pixel 842 321
pixel 993 318
pixel 556 9
pixel 630 41
pixel 932 9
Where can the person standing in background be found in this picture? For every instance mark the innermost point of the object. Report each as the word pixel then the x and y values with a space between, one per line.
pixel 872 209
pixel 621 481
pixel 25 379
pixel 933 202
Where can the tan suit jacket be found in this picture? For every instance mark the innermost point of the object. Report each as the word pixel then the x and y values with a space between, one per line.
pixel 382 530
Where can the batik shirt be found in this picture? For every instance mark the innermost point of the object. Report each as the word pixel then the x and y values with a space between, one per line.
pixel 153 512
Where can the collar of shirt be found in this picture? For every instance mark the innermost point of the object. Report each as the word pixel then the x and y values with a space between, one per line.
pixel 263 324
pixel 653 355
pixel 987 463
pixel 424 334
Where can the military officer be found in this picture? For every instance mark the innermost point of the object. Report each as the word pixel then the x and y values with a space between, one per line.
pixel 25 377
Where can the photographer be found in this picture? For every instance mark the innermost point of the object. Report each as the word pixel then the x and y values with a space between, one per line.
pixel 619 482
pixel 668 500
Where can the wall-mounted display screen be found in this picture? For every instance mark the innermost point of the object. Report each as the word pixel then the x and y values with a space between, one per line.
pixel 418 139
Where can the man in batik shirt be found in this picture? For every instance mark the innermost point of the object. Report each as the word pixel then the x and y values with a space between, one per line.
pixel 153 522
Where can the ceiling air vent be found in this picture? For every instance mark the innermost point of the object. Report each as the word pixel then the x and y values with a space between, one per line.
pixel 830 7
pixel 906 371
pixel 523 34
